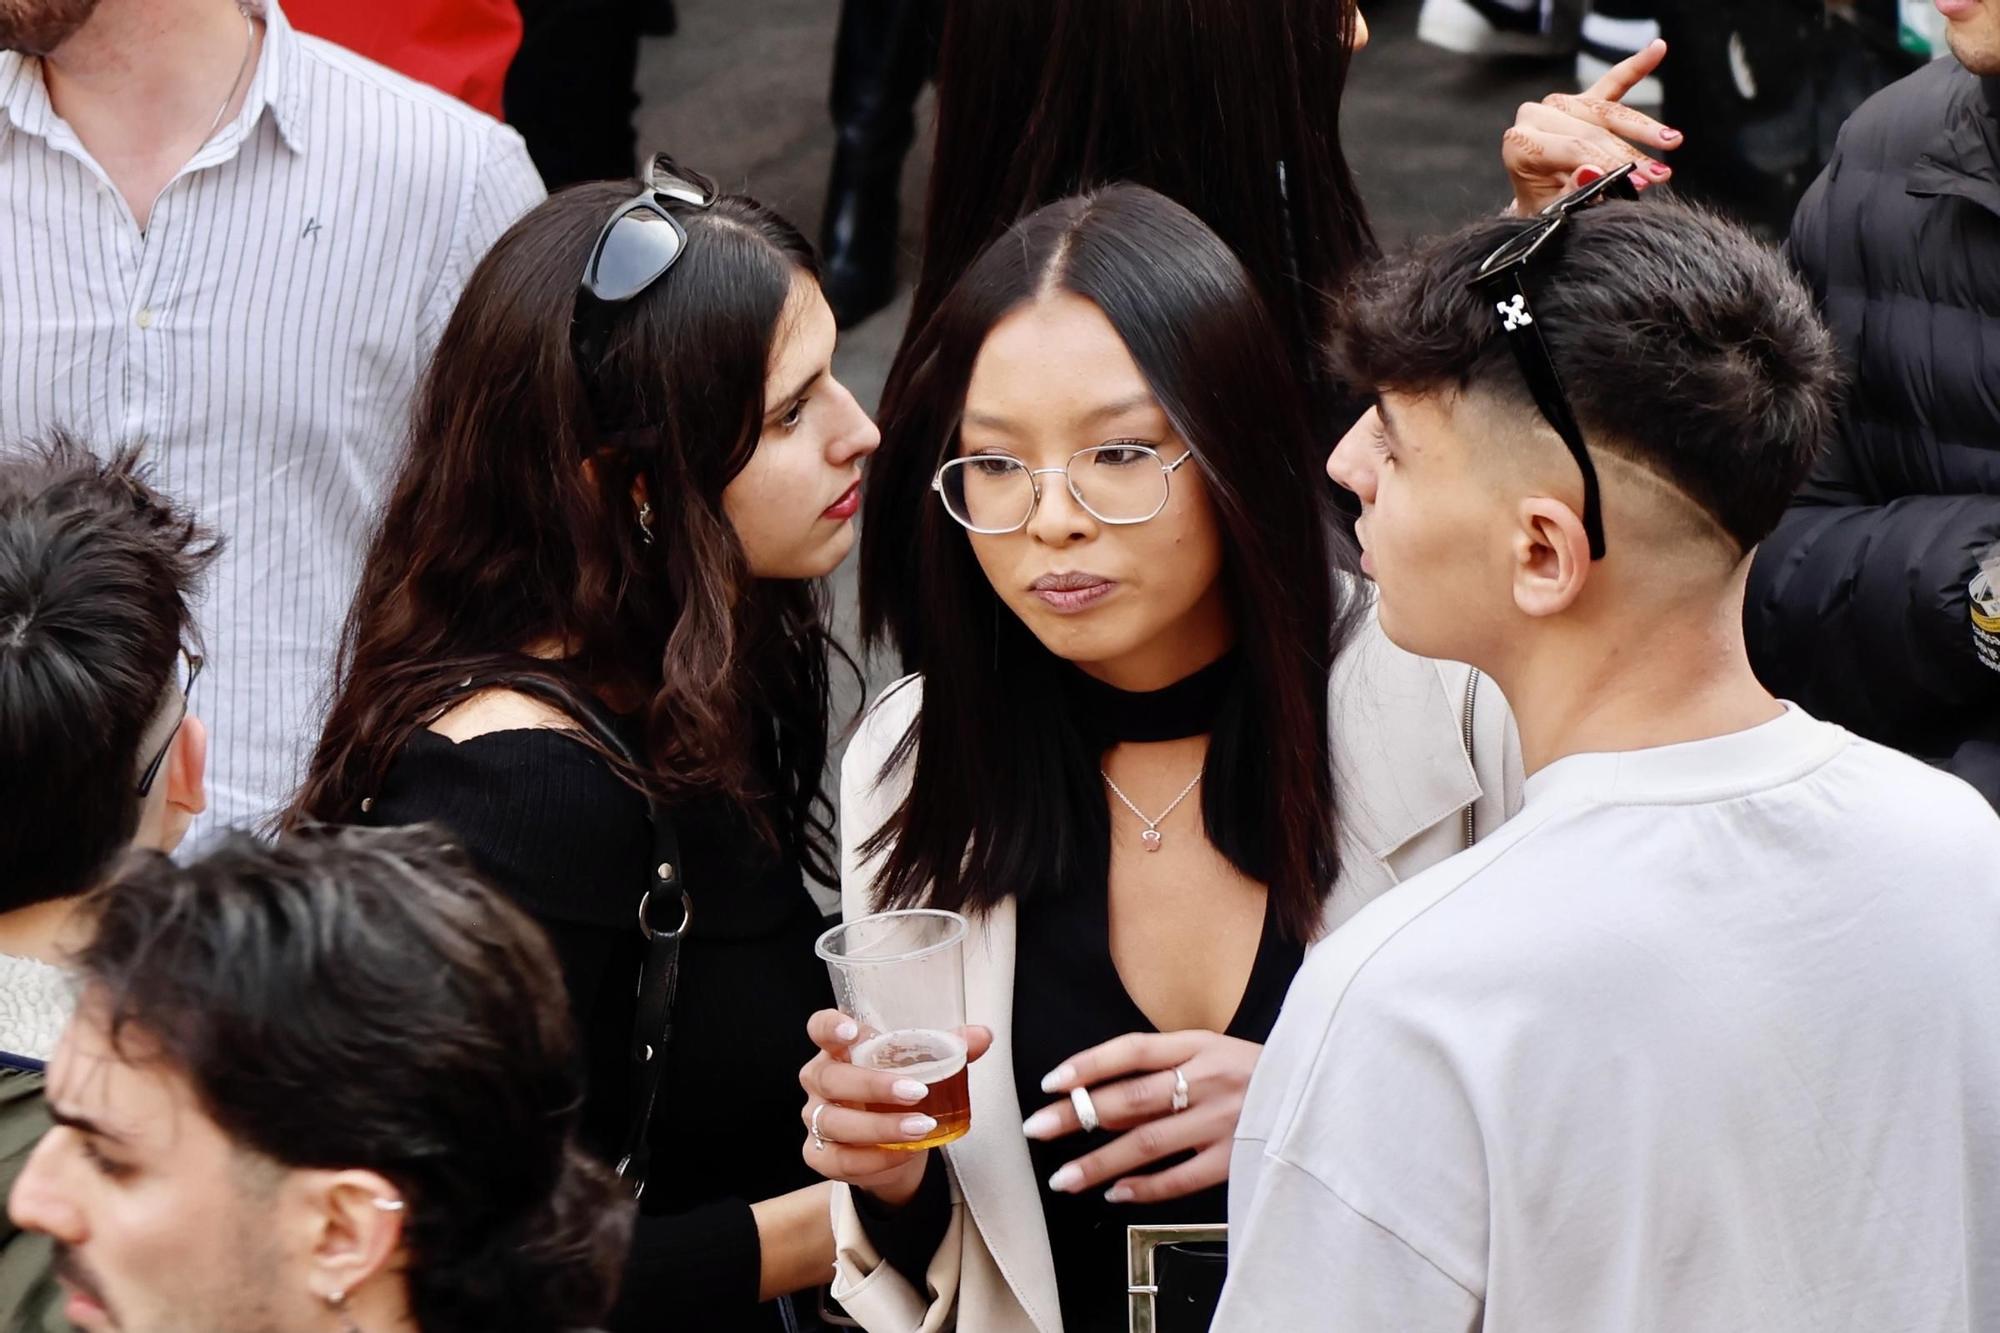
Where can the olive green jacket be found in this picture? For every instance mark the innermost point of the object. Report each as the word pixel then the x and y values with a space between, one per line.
pixel 30 1299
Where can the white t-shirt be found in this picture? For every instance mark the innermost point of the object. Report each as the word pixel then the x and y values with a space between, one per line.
pixel 1706 1038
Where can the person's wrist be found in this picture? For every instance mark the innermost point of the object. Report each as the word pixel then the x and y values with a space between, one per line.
pixel 896 1189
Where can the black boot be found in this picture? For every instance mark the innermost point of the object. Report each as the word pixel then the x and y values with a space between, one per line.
pixel 658 18
pixel 882 56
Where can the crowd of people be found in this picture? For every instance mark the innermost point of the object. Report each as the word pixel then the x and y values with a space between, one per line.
pixel 1472 766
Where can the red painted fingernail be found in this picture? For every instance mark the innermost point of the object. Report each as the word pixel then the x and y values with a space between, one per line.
pixel 1587 175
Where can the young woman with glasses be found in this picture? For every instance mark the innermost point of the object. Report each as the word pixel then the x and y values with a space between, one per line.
pixel 1039 99
pixel 630 467
pixel 1140 637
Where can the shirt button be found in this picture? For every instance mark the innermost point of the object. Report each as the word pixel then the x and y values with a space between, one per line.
pixel 144 319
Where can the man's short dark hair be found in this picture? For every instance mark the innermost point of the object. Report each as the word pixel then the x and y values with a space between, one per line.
pixel 96 572
pixel 1686 346
pixel 358 999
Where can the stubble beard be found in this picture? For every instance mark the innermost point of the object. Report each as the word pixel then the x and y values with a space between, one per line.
pixel 1976 41
pixel 39 27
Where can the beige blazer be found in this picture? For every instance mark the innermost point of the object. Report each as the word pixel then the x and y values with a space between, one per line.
pixel 1404 782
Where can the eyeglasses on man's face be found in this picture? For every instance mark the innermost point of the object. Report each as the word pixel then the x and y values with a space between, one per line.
pixel 1120 483
pixel 187 670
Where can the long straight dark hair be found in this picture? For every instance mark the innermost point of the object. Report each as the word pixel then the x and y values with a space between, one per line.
pixel 1229 107
pixel 497 536
pixel 1000 806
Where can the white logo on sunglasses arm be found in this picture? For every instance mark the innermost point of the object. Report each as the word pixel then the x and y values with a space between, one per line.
pixel 1514 312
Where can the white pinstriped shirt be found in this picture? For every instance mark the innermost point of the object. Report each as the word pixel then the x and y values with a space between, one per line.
pixel 263 334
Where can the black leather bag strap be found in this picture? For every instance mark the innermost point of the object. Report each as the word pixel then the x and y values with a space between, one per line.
pixel 665 914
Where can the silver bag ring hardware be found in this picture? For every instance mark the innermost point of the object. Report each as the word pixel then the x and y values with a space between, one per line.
pixel 645 922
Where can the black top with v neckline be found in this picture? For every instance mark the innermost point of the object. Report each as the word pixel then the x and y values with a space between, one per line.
pixel 1069 996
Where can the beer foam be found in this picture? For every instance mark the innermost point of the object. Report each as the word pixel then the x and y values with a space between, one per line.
pixel 924 1054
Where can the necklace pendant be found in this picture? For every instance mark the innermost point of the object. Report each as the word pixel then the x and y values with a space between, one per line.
pixel 1151 837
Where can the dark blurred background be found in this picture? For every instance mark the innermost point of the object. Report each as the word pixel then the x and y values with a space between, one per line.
pixel 1758 86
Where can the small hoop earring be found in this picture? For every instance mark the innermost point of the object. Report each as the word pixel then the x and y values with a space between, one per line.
pixel 646 522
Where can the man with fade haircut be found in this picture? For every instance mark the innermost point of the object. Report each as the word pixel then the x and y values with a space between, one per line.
pixel 99 751
pixel 1703 1039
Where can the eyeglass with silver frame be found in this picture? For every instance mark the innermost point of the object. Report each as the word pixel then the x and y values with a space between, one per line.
pixel 189 664
pixel 1009 483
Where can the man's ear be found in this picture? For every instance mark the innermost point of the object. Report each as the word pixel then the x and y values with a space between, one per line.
pixel 183 783
pixel 354 1228
pixel 1551 556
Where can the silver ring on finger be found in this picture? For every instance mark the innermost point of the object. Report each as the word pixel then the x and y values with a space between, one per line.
pixel 819 1140
pixel 1180 1101
pixel 1086 1110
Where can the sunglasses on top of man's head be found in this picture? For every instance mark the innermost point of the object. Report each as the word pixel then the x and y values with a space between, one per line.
pixel 1502 279
pixel 637 246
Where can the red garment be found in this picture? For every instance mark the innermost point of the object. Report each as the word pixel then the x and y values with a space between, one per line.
pixel 461 46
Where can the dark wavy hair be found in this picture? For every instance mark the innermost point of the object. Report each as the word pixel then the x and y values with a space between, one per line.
pixel 357 998
pixel 96 572
pixel 1685 345
pixel 997 809
pixel 497 536
pixel 1230 108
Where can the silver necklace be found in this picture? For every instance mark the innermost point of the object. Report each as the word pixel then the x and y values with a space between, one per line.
pixel 249 47
pixel 1151 836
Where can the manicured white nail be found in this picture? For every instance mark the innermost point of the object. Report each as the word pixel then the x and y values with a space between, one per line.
pixel 1042 1124
pixel 1118 1194
pixel 847 1031
pixel 909 1090
pixel 916 1126
pixel 1067 1179
pixel 1058 1079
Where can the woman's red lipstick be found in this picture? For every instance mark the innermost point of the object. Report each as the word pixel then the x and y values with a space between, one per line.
pixel 846 506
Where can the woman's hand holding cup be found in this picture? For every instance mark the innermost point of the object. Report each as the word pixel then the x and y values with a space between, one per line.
pixel 850 1112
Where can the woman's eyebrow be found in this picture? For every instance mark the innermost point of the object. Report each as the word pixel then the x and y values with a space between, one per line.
pixel 1138 402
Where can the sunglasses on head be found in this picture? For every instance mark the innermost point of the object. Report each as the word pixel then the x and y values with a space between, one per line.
pixel 1502 279
pixel 638 245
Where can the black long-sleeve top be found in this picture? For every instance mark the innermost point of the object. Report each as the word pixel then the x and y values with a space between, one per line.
pixel 1068 997
pixel 556 830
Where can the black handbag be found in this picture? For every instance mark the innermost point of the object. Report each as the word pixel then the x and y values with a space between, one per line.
pixel 665 914
pixel 659 974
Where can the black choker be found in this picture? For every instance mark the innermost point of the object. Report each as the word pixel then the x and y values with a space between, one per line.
pixel 1188 707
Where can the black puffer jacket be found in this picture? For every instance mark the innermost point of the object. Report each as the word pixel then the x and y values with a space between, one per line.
pixel 1858 606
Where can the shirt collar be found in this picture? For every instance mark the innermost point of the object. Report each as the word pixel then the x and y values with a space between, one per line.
pixel 1718 768
pixel 280 81
pixel 1963 158
pixel 24 98
pixel 279 84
